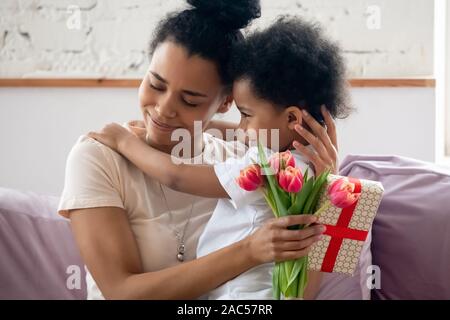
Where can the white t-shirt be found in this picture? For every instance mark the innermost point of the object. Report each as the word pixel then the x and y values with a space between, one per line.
pixel 97 176
pixel 234 220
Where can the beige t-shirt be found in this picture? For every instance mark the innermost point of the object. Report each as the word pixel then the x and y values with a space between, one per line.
pixel 97 176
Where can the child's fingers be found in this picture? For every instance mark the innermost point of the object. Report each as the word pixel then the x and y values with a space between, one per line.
pixel 297 235
pixel 322 134
pixel 293 255
pixel 96 136
pixel 92 134
pixel 315 126
pixel 331 126
pixel 288 221
pixel 315 142
pixel 311 156
pixel 299 245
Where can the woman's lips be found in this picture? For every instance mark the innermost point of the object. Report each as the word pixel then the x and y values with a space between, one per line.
pixel 159 125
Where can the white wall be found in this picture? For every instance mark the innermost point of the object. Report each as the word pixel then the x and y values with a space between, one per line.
pixel 39 126
pixel 108 38
pixel 398 121
pixel 380 38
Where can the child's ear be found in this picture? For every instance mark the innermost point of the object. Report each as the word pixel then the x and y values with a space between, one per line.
pixel 294 116
pixel 226 104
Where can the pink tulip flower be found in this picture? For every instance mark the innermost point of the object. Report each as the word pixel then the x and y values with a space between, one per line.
pixel 285 158
pixel 290 179
pixel 250 178
pixel 342 193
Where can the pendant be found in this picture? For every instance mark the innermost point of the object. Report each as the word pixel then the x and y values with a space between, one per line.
pixel 180 255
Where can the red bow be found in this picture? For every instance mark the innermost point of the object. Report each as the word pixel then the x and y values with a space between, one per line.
pixel 341 231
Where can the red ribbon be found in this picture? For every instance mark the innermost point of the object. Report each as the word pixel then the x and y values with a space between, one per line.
pixel 341 231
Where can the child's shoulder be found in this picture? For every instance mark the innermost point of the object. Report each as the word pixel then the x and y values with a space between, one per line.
pixel 218 150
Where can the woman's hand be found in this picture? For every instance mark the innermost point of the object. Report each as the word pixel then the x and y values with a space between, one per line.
pixel 274 242
pixel 113 135
pixel 323 140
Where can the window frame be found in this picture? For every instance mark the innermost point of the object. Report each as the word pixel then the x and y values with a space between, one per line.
pixel 447 82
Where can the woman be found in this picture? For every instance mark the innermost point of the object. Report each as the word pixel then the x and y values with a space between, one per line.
pixel 132 232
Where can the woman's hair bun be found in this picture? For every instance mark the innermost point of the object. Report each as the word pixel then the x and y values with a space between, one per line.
pixel 231 14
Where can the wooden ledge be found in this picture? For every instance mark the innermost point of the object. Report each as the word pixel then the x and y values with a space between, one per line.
pixel 387 83
pixel 134 83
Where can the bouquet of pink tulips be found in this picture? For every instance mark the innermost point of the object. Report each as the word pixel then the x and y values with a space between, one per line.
pixel 288 191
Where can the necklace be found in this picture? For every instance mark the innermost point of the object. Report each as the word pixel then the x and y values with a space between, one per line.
pixel 181 248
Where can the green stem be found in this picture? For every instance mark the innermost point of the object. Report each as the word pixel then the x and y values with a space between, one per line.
pixel 303 279
pixel 271 204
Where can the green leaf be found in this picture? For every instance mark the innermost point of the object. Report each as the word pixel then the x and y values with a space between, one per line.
pixel 269 199
pixel 280 201
pixel 292 290
pixel 285 197
pixel 316 199
pixel 282 280
pixel 303 279
pixel 293 196
pixel 287 270
pixel 296 270
pixel 275 281
pixel 297 207
pixel 315 192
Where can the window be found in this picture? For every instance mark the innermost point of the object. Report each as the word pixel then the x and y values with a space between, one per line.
pixel 447 81
pixel 442 75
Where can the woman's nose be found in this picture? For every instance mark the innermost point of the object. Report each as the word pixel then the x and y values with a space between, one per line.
pixel 165 108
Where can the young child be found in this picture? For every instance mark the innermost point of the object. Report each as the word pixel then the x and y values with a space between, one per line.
pixel 280 73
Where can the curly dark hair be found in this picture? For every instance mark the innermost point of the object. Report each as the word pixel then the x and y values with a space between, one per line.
pixel 292 63
pixel 209 29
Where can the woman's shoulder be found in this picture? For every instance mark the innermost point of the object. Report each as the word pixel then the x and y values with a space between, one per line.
pixel 91 178
pixel 89 146
pixel 87 149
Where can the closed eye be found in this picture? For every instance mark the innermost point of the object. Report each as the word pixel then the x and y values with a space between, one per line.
pixel 190 104
pixel 245 115
pixel 155 87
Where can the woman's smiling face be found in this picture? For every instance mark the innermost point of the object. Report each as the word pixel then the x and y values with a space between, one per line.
pixel 177 90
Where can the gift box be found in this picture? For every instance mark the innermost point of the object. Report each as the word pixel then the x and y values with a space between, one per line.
pixel 347 229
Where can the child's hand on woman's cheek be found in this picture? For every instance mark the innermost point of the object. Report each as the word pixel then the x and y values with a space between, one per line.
pixel 322 139
pixel 112 135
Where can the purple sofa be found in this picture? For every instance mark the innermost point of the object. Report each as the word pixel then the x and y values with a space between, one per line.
pixel 410 236
pixel 38 254
pixel 411 232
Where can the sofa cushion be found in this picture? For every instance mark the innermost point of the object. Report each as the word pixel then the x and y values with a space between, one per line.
pixel 39 258
pixel 410 239
pixel 411 232
pixel 38 251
